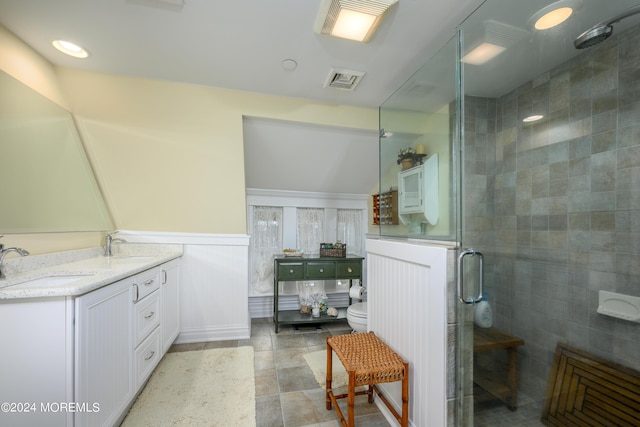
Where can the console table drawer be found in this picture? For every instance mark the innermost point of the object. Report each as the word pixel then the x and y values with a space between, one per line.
pixel 290 272
pixel 348 270
pixel 321 270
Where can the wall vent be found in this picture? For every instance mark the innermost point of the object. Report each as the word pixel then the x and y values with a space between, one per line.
pixel 340 78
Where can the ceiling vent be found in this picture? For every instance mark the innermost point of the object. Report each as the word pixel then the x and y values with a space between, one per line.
pixel 340 78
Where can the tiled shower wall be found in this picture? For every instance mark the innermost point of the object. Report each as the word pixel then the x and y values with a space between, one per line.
pixel 555 206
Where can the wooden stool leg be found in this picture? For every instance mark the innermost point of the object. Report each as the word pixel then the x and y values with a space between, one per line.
pixel 405 397
pixel 370 393
pixel 351 398
pixel 329 376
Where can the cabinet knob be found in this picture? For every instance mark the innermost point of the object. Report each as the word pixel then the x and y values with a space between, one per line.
pixel 350 270
pixel 322 270
pixel 291 271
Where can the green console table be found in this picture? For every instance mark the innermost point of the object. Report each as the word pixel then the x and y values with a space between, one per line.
pixel 312 267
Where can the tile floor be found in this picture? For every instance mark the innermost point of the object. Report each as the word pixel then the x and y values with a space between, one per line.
pixel 287 393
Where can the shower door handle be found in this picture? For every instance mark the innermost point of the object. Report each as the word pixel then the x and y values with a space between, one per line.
pixel 461 297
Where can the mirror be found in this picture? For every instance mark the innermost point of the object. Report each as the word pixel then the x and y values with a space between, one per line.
pixel 46 181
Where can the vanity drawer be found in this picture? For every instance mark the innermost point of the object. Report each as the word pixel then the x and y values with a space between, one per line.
pixel 348 270
pixel 147 356
pixel 146 316
pixel 291 271
pixel 321 270
pixel 145 283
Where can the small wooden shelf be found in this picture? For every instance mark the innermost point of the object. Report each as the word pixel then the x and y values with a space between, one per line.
pixel 294 317
pixel 385 208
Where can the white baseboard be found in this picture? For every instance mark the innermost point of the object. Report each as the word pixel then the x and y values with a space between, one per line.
pixel 228 332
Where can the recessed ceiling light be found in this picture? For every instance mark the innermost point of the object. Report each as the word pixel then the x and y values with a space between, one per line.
pixel 553 18
pixel 533 118
pixel 554 14
pixel 70 49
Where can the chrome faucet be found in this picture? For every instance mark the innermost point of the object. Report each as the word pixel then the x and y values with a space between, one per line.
pixel 109 239
pixel 4 252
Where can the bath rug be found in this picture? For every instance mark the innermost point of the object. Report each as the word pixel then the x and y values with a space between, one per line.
pixel 317 361
pixel 213 387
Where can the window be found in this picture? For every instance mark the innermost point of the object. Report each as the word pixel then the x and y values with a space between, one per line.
pixel 310 230
pixel 266 241
pixel 349 229
pixel 283 219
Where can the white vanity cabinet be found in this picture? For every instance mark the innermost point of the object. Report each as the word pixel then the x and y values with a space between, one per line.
pixel 36 361
pixel 81 360
pixel 170 325
pixel 147 313
pixel 104 366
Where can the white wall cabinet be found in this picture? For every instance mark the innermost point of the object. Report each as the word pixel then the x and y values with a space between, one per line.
pixel 418 192
pixel 94 351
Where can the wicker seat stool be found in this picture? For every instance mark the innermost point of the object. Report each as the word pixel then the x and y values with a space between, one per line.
pixel 368 361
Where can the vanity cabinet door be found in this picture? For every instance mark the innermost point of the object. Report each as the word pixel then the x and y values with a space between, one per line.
pixel 170 325
pixel 104 346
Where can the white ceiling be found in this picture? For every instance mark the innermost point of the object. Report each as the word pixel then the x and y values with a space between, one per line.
pixel 237 44
pixel 240 45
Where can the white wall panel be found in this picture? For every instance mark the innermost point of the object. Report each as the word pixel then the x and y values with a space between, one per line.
pixel 214 296
pixel 407 294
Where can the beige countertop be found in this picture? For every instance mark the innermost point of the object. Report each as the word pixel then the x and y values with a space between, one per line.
pixel 73 273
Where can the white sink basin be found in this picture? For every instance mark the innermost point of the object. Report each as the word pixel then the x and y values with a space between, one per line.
pixel 49 281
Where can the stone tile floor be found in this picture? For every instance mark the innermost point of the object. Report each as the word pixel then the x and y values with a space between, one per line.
pixel 287 393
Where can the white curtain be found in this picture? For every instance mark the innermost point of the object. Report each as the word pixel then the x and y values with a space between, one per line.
pixel 349 230
pixel 310 231
pixel 266 241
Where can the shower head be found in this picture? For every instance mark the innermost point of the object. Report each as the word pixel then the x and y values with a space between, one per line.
pixel 603 30
pixel 593 36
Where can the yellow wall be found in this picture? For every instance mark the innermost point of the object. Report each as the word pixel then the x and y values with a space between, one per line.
pixel 168 156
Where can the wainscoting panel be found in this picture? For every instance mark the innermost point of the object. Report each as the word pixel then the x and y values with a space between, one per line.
pixel 214 295
pixel 407 293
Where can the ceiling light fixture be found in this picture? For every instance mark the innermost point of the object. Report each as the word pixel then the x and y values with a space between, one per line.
pixel 70 49
pixel 554 14
pixel 553 18
pixel 496 38
pixel 482 53
pixel 351 19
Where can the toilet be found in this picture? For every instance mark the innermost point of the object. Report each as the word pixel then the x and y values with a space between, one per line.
pixel 357 316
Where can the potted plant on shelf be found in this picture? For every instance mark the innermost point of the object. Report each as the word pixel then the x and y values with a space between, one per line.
pixel 406 157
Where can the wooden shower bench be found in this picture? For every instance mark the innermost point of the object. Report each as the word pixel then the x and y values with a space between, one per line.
pixel 368 361
pixel 486 339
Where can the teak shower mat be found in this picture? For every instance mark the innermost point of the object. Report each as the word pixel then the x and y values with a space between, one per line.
pixel 586 390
